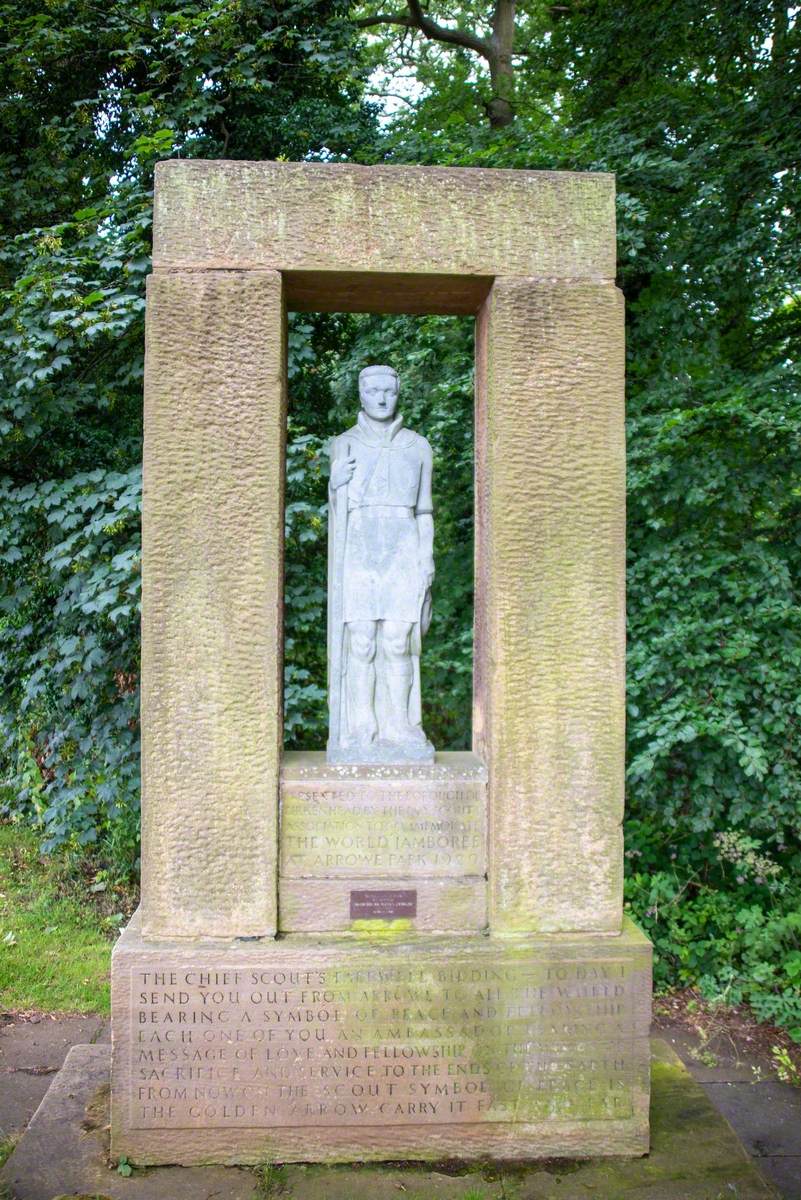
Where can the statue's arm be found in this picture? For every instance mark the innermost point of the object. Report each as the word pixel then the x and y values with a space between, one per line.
pixel 343 464
pixel 424 512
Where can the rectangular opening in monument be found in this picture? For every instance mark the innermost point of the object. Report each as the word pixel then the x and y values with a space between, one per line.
pixel 433 357
pixel 376 832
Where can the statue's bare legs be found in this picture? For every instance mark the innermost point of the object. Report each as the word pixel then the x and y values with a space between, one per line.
pixel 361 681
pixel 398 665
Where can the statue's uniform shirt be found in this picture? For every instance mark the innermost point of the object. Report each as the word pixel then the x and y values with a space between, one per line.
pixel 389 488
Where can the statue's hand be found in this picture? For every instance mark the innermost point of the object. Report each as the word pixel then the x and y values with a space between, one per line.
pixel 426 574
pixel 342 471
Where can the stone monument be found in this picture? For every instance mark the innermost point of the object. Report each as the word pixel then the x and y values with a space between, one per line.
pixel 381 952
pixel 380 572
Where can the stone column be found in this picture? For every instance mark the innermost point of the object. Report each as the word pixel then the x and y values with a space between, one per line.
pixel 550 622
pixel 212 602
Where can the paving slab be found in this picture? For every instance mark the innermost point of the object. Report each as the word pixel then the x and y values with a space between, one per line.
pixel 32 1049
pixel 767 1117
pixel 719 1060
pixel 64 1152
pixel 765 1113
pixel 694 1155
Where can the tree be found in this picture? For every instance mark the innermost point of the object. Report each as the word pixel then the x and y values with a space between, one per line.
pixel 92 95
pixel 496 48
pixel 693 109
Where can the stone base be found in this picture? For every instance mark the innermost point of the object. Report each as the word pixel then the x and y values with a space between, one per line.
pixel 382 751
pixel 371 847
pixel 328 1049
pixel 694 1156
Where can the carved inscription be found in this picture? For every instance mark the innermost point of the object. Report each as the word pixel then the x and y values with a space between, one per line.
pixel 456 1042
pixel 382 830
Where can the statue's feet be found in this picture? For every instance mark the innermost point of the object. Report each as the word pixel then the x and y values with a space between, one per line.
pixel 407 743
pixel 404 733
pixel 397 744
pixel 362 735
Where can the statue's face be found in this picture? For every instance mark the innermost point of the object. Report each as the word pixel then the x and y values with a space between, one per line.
pixel 379 396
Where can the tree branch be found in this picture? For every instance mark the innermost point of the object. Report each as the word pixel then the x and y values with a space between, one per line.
pixel 497 50
pixel 440 33
pixel 386 19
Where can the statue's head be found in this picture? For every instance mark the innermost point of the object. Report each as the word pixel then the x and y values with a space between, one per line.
pixel 378 392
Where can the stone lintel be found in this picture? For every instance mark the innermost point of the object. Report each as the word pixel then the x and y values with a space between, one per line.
pixel 212 602
pixel 550 609
pixel 347 220
pixel 440 1047
pixel 390 292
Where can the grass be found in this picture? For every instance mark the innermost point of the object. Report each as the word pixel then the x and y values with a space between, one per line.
pixel 55 943
pixel 7 1144
pixel 271 1181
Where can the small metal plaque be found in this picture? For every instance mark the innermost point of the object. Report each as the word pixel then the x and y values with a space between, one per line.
pixel 383 905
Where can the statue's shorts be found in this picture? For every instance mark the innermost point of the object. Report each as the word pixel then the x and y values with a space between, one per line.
pixel 381 577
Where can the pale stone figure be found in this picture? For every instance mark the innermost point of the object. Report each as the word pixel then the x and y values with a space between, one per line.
pixel 380 572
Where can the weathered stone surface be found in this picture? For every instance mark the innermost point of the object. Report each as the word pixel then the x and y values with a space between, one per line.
pixel 346 821
pixel 212 577
pixel 549 657
pixel 457 905
pixel 31 1052
pixel 328 1049
pixel 64 1153
pixel 694 1155
pixel 380 573
pixel 340 218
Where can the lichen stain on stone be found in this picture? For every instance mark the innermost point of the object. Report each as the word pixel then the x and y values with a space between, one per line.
pixel 381 927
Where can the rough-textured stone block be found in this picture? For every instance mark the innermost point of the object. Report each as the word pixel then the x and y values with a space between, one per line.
pixel 416 905
pixel 327 1049
pixel 550 622
pixel 342 220
pixel 383 846
pixel 212 574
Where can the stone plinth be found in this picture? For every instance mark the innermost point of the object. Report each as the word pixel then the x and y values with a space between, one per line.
pixel 329 1049
pixel 373 847
pixel 65 1152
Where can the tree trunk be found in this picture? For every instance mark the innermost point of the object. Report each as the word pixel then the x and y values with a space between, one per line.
pixel 500 109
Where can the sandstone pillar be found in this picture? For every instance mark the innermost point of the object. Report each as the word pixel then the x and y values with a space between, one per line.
pixel 212 603
pixel 550 622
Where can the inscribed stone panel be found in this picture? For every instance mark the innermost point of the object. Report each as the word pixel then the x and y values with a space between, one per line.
pixel 246 1041
pixel 412 820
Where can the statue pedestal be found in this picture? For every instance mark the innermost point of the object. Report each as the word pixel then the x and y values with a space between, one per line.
pixel 376 848
pixel 335 1048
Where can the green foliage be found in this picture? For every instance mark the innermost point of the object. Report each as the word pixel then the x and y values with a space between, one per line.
pixel 124 1168
pixel 730 926
pixel 92 95
pixel 694 108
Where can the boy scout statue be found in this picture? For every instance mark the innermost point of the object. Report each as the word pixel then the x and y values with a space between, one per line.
pixel 380 572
